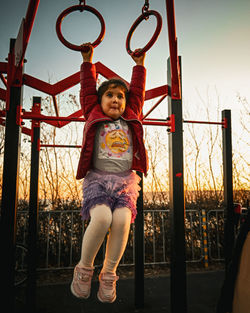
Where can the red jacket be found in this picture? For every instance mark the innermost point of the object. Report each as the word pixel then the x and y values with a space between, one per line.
pixel 93 114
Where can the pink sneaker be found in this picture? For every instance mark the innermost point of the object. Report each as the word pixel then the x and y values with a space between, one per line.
pixel 81 283
pixel 107 287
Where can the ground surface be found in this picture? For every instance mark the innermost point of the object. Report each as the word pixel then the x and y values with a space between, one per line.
pixel 203 289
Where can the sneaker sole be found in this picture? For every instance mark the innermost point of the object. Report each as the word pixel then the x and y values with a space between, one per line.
pixel 99 298
pixel 75 294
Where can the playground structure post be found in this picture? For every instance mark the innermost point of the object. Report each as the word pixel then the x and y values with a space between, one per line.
pixel 12 147
pixel 175 79
pixel 177 205
pixel 228 187
pixel 139 250
pixel 33 209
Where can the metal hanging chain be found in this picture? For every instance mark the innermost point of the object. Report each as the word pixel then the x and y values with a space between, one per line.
pixel 82 2
pixel 145 7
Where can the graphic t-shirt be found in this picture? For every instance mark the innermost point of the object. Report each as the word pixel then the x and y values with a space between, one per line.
pixel 113 150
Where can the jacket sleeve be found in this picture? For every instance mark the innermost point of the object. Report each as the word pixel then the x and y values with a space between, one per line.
pixel 88 93
pixel 137 89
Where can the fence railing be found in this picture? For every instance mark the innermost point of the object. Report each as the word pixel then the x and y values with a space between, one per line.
pixel 60 237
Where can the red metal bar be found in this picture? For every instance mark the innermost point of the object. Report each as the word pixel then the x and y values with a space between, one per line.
pixel 2 113
pixel 156 119
pixel 174 60
pixel 170 122
pixel 3 80
pixel 37 84
pixel 50 89
pixel 26 131
pixel 2 121
pixel 35 127
pixel 59 146
pixel 51 120
pixel 56 121
pixel 74 79
pixel 225 122
pixel 28 24
pixel 56 108
pixel 74 115
pixel 155 123
pixel 10 74
pixel 106 72
pixel 42 118
pixel 66 83
pixel 19 120
pixel 155 106
pixel 156 92
pixel 30 18
pixel 3 94
pixel 3 67
pixel 55 105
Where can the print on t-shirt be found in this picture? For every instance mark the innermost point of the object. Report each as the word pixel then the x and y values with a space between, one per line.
pixel 115 141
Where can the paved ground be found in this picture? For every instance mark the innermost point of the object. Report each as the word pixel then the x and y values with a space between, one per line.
pixel 203 289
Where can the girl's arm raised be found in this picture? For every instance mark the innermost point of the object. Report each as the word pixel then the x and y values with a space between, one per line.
pixel 88 94
pixel 137 85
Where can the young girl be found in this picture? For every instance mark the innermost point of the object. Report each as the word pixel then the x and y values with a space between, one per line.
pixel 112 148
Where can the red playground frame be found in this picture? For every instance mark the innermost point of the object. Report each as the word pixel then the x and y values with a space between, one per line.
pixel 13 119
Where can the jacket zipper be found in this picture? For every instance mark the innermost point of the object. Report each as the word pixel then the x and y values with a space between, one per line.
pixel 131 120
pixel 95 121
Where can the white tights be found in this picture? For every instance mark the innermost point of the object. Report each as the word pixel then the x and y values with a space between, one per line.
pixel 101 220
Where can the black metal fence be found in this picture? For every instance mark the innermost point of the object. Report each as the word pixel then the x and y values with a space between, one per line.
pixel 60 236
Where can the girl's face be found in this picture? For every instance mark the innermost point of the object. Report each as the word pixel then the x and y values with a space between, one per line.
pixel 113 102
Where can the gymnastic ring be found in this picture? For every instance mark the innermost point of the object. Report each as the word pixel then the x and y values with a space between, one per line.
pixel 142 17
pixel 79 8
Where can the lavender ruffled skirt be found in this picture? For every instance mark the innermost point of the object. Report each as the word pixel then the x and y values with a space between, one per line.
pixel 116 190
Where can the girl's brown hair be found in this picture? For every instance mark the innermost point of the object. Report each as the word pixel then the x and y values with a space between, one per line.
pixel 114 82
